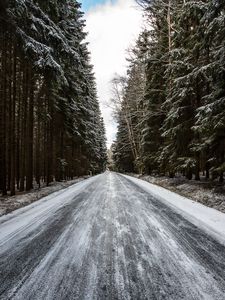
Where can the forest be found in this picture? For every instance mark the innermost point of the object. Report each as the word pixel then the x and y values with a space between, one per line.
pixel 170 106
pixel 51 126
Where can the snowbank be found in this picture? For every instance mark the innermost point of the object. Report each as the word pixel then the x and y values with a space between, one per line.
pixel 208 219
pixel 206 192
pixel 44 206
pixel 9 204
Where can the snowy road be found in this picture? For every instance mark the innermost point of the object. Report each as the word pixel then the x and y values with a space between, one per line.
pixel 107 238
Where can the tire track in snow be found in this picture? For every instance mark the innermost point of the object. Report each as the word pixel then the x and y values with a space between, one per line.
pixel 112 240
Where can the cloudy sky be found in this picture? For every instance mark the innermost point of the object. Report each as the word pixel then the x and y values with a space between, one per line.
pixel 113 26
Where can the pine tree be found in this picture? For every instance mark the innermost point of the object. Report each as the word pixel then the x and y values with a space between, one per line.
pixel 48 95
pixel 210 118
pixel 181 127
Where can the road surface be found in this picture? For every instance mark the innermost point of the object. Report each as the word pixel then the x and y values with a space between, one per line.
pixel 106 238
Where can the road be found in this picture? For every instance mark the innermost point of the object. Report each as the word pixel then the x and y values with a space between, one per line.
pixel 106 238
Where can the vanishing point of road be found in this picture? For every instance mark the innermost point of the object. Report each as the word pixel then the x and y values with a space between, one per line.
pixel 107 238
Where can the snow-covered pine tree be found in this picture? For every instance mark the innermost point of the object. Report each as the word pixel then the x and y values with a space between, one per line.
pixel 185 89
pixel 210 119
pixel 157 43
pixel 182 121
pixel 45 81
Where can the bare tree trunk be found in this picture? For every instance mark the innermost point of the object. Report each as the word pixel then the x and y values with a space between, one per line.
pixel 13 129
pixel 49 169
pixel 30 125
pixel 37 146
pixel 9 106
pixel 24 127
pixel 3 112
pixel 18 128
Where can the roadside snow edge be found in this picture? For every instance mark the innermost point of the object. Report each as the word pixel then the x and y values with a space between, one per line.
pixel 208 219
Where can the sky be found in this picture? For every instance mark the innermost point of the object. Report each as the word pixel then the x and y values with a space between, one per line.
pixel 112 27
pixel 89 4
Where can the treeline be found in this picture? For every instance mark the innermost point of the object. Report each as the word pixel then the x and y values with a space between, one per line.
pixel 50 122
pixel 172 114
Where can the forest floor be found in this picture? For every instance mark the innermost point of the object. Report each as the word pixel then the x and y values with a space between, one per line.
pixel 211 194
pixel 9 204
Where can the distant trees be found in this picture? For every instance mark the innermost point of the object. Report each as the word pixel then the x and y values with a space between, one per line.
pixel 50 122
pixel 181 126
pixel 128 97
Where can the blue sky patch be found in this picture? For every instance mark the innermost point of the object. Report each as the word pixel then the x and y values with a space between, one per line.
pixel 87 4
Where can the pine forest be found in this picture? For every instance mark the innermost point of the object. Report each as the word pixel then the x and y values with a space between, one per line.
pixel 50 122
pixel 170 106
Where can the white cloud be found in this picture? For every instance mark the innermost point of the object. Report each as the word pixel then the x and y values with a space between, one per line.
pixel 112 29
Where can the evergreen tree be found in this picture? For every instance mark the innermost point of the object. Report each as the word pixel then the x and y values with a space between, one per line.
pixel 181 127
pixel 185 91
pixel 210 118
pixel 49 103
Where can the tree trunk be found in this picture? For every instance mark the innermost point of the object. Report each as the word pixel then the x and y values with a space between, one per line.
pixel 189 174
pixel 37 146
pixel 197 168
pixel 3 113
pixel 30 125
pixel 24 128
pixel 207 171
pixel 221 177
pixel 13 126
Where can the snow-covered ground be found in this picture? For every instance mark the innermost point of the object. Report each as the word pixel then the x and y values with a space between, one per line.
pixel 37 211
pixel 211 194
pixel 209 219
pixel 9 204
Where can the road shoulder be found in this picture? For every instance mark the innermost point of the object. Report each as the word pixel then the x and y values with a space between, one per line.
pixel 208 219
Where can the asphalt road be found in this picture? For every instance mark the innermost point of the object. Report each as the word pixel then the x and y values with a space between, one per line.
pixel 108 239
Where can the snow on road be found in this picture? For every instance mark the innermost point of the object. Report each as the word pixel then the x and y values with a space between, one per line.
pixel 210 220
pixel 108 238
